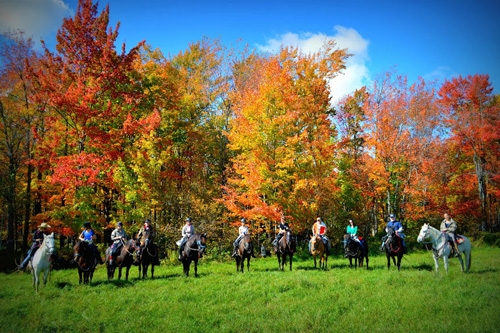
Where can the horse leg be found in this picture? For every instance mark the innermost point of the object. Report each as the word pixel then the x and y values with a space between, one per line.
pixel 80 278
pixel 436 263
pixel 152 271
pixel 248 263
pixel 461 262
pixel 468 259
pixel 399 262
pixel 127 269
pixel 196 267
pixel 388 262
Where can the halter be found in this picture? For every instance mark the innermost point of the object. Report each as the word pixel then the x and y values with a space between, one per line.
pixel 45 245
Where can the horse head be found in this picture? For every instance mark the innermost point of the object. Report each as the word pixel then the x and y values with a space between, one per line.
pixel 50 243
pixel 424 233
pixel 202 243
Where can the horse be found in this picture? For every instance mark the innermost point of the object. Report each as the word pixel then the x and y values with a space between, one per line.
pixel 442 249
pixel 124 259
pixel 86 260
pixel 356 251
pixel 149 256
pixel 286 246
pixel 41 261
pixel 245 251
pixel 393 247
pixel 318 249
pixel 193 249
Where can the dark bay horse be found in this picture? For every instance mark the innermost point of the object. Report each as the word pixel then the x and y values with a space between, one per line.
pixel 149 256
pixel 393 248
pixel 245 251
pixel 285 247
pixel 124 259
pixel 85 258
pixel 318 249
pixel 356 251
pixel 193 249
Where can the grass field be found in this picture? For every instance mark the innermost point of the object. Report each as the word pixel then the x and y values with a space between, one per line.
pixel 342 299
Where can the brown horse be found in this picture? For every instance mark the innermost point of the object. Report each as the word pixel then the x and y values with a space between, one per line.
pixel 393 248
pixel 245 251
pixel 85 258
pixel 193 249
pixel 318 249
pixel 356 251
pixel 124 259
pixel 285 247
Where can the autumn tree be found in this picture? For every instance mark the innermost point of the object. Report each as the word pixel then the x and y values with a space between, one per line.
pixel 473 117
pixel 17 116
pixel 282 136
pixel 91 91
pixel 400 127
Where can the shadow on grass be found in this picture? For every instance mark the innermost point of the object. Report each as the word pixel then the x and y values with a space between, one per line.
pixel 116 283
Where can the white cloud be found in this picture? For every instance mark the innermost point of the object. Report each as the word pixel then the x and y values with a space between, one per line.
pixel 356 74
pixel 37 18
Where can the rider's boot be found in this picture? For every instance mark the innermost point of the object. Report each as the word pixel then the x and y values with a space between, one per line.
pixel 235 252
pixel 110 261
pixel 457 250
pixel 382 246
pixel 180 254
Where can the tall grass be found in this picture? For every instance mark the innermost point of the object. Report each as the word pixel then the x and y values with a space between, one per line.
pixel 265 299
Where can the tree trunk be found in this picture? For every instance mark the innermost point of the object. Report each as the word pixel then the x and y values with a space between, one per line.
pixel 479 163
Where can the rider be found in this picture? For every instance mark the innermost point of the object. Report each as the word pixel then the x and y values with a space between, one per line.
pixel 319 230
pixel 88 235
pixel 450 227
pixel 282 229
pixel 242 231
pixel 398 228
pixel 36 241
pixel 352 230
pixel 144 236
pixel 187 231
pixel 118 236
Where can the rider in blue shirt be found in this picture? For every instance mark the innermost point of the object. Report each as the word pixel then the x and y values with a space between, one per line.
pixel 88 235
pixel 398 228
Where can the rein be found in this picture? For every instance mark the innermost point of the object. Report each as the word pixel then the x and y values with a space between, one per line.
pixel 125 247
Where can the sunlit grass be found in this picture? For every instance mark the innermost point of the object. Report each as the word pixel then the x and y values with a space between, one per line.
pixel 264 299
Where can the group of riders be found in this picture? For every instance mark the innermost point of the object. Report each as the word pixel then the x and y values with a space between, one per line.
pixel 146 234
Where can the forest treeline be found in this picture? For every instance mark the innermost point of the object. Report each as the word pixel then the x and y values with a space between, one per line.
pixel 94 133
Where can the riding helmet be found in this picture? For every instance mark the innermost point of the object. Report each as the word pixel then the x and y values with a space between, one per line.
pixel 243 221
pixel 188 219
pixel 86 225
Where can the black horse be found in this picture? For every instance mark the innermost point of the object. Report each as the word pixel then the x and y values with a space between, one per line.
pixel 393 247
pixel 286 247
pixel 124 259
pixel 245 251
pixel 193 249
pixel 356 251
pixel 148 256
pixel 86 259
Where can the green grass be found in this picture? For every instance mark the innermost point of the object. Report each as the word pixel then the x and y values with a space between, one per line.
pixel 416 299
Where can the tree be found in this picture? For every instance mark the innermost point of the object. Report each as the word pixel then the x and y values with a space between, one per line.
pixel 91 90
pixel 282 136
pixel 17 116
pixel 400 128
pixel 473 118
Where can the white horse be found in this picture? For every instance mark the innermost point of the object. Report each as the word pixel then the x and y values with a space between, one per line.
pixel 41 260
pixel 442 249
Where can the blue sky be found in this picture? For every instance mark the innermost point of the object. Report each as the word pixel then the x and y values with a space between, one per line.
pixel 436 40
